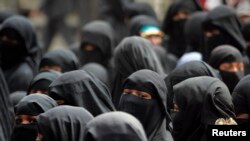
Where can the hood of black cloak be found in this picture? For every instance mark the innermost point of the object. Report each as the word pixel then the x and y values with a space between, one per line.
pixel 63 123
pixel 137 22
pixel 114 126
pixel 64 58
pixel 15 97
pixel 152 83
pixel 185 71
pixel 27 32
pixel 194 33
pixel 4 15
pixel 42 80
pixel 225 18
pixel 201 101
pixel 139 8
pixel 34 104
pixel 7 117
pixel 133 54
pixel 80 88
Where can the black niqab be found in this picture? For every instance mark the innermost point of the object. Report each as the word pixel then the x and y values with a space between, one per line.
pixel 114 126
pixel 139 8
pixel 63 123
pixel 151 113
pixel 63 58
pixel 132 54
pixel 80 88
pixel 201 101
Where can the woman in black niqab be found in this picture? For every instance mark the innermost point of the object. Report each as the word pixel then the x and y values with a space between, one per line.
pixel 19 51
pixel 80 88
pixel 63 123
pixel 145 97
pixel 7 117
pixel 114 126
pixel 241 100
pixel 27 111
pixel 199 102
pixel 229 61
pixel 132 54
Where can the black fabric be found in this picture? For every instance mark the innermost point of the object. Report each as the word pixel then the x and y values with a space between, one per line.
pixel 17 96
pixel 42 81
pixel 139 21
pixel 63 123
pixel 98 70
pixel 139 8
pixel 241 96
pixel 185 71
pixel 227 54
pixel 63 58
pixel 33 105
pixel 225 19
pixel 194 33
pixel 151 113
pixel 246 34
pixel 4 15
pixel 6 110
pixel 168 60
pixel 201 101
pixel 80 88
pixel 114 126
pixel 132 54
pixel 22 69
pixel 175 30
pixel 99 34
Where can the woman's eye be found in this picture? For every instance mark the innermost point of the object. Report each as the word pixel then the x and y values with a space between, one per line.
pixel 18 121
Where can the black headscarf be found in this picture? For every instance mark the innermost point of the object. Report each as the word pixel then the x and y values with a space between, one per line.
pixel 32 105
pixel 17 96
pixel 63 123
pixel 246 34
pixel 6 111
pixel 99 34
pixel 168 60
pixel 175 30
pixel 194 33
pixel 185 71
pixel 227 54
pixel 139 21
pixel 201 101
pixel 153 113
pixel 114 126
pixel 139 8
pixel 5 15
pixel 132 54
pixel 63 58
pixel 80 88
pixel 20 61
pixel 43 80
pixel 98 70
pixel 241 99
pixel 225 19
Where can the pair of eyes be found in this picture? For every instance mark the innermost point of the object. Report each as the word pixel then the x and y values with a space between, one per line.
pixel 25 119
pixel 137 93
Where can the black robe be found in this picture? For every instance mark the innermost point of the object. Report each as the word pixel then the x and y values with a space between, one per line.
pixel 80 88
pixel 114 126
pixel 132 54
pixel 201 101
pixel 152 113
pixel 63 123
pixel 185 71
pixel 6 111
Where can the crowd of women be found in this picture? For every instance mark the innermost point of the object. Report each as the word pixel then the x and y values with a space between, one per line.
pixel 141 80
